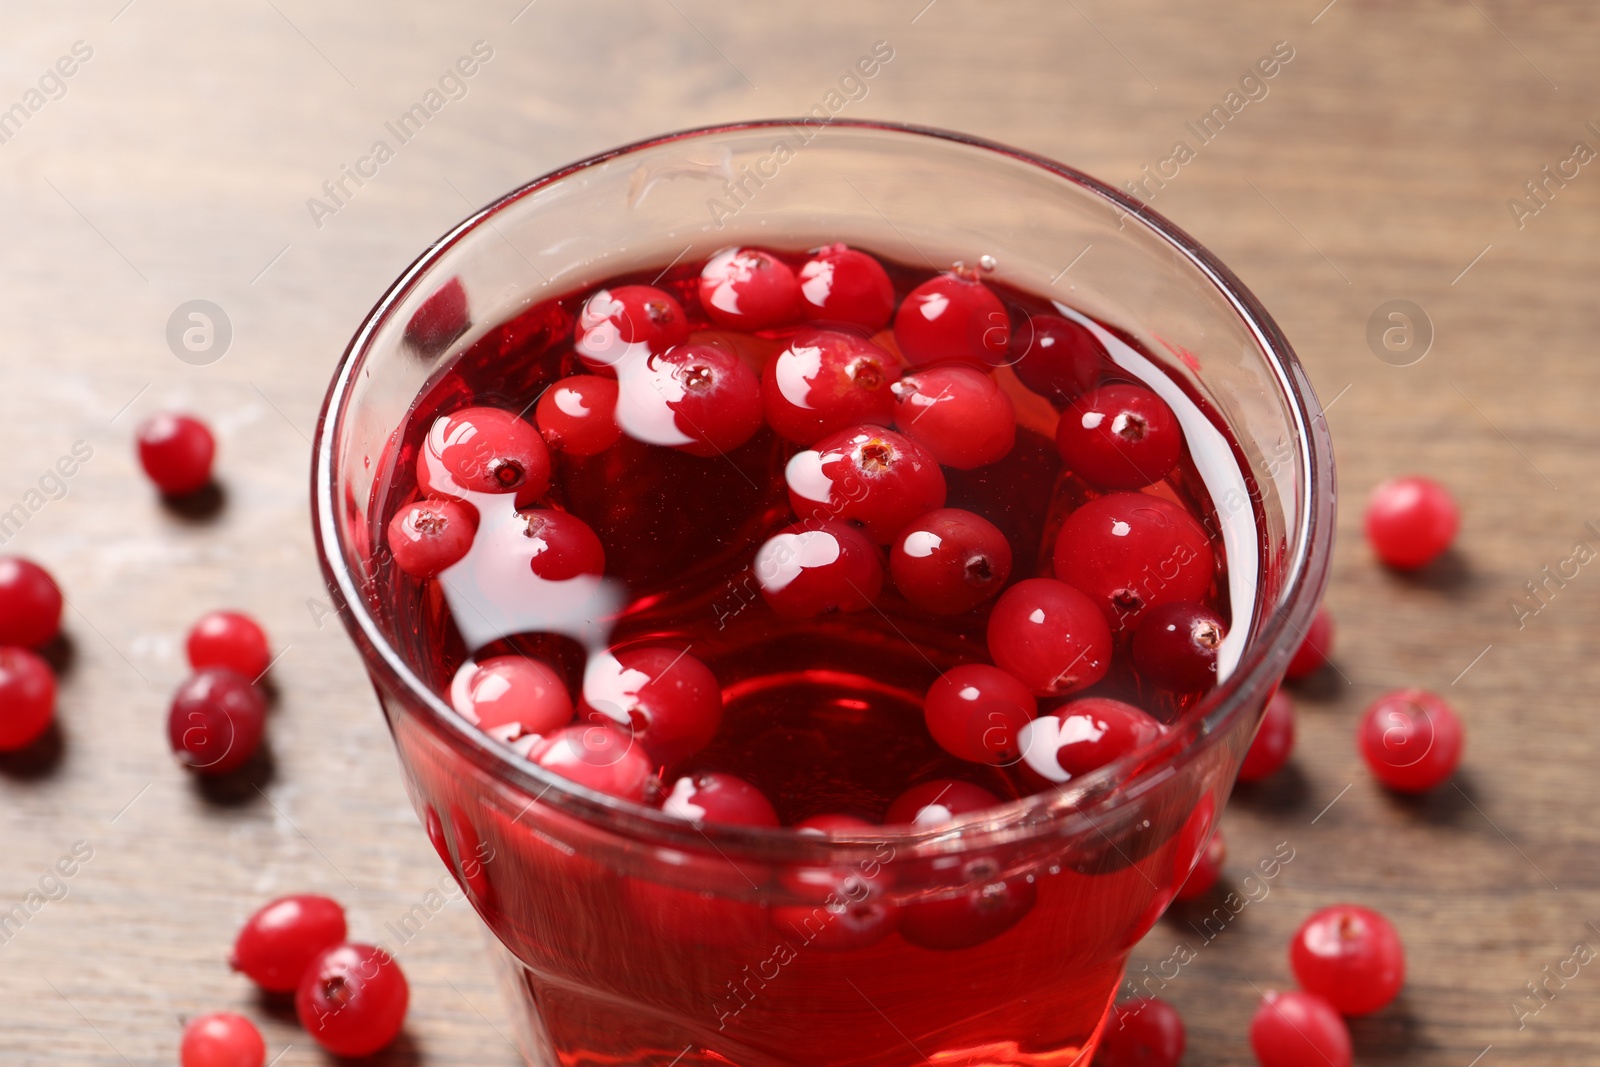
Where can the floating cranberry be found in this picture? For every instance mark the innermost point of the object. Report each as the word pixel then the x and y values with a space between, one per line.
pixel 949 561
pixel 1131 552
pixel 1119 437
pixel 352 1000
pixel 1056 358
pixel 1084 736
pixel 714 398
pixel 978 712
pixel 958 414
pixel 817 567
pixel 844 906
pixel 513 696
pixel 1175 646
pixel 1314 648
pixel 826 381
pixel 439 320
pixel 952 318
pixel 430 536
pixel 30 603
pixel 222 1039
pixel 578 415
pixel 1049 636
pixel 563 545
pixel 1144 1032
pixel 279 942
pixel 1411 521
pixel 216 721
pixel 867 475
pixel 27 697
pixel 1411 739
pixel 938 802
pixel 840 284
pixel 484 450
pixel 1273 742
pixel 1351 957
pixel 176 452
pixel 229 639
pixel 749 289
pixel 1298 1030
pixel 670 699
pixel 1207 869
pixel 600 756
pixel 716 797
pixel 613 321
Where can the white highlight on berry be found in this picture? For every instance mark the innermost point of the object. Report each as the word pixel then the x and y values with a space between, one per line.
pixel 970 692
pixel 570 402
pixel 806 479
pixel 933 305
pixel 793 371
pixel 921 543
pixel 932 815
pixel 1091 419
pixel 1042 738
pixel 610 688
pixel 816 281
pixel 784 556
pixel 1036 616
pixel 644 390
pixel 680 801
pixel 726 269
pixel 1120 529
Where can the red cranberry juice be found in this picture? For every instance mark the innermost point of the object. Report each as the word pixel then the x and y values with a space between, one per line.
pixel 825 541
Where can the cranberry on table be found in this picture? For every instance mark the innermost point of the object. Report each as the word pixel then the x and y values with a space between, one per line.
pixel 749 289
pixel 938 802
pixel 27 697
pixel 1411 740
pixel 1315 648
pixel 1206 870
pixel 600 756
pixel 1351 957
pixel 176 452
pixel 1410 521
pixel 229 639
pixel 1146 1032
pixel 30 603
pixel 718 399
pixel 977 712
pixel 484 450
pixel 816 567
pixel 670 699
pixel 841 284
pixel 563 545
pixel 844 907
pixel 216 721
pixel 222 1039
pixel 952 318
pixel 868 475
pixel 514 696
pixel 613 321
pixel 578 415
pixel 352 999
pixel 278 943
pixel 957 413
pixel 1056 358
pixel 1175 646
pixel 718 797
pixel 1299 1030
pixel 1119 437
pixel 949 561
pixel 1273 742
pixel 1085 735
pixel 826 381
pixel 1131 552
pixel 1049 636
pixel 429 536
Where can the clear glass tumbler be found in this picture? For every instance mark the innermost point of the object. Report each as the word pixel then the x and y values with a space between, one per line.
pixel 632 938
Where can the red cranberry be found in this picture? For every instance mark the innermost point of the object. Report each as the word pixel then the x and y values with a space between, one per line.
pixel 1297 1030
pixel 813 568
pixel 1119 437
pixel 484 450
pixel 612 321
pixel 352 1000
pixel 1084 736
pixel 1131 552
pixel 1056 358
pixel 958 414
pixel 715 797
pixel 1314 649
pixel 1145 1032
pixel 1175 646
pixel 867 475
pixel 514 696
pixel 1049 636
pixel 441 319
pixel 972 916
pixel 600 756
pixel 30 603
pixel 840 284
pixel 279 941
pixel 827 381
pixel 1411 740
pixel 176 452
pixel 1351 957
pixel 563 545
pixel 671 700
pixel 1273 742
pixel 229 639
pixel 1411 521
pixel 978 712
pixel 1207 869
pixel 949 561
pixel 952 318
pixel 938 802
pixel 749 289
pixel 429 536
pixel 222 1039
pixel 578 415
pixel 714 398
pixel 845 907
pixel 27 697
pixel 216 721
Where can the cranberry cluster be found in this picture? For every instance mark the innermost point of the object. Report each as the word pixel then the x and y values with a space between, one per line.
pixel 219 714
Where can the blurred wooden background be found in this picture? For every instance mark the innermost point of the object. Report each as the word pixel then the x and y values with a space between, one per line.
pixel 176 161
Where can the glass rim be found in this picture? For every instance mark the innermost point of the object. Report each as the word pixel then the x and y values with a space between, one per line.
pixel 1037 815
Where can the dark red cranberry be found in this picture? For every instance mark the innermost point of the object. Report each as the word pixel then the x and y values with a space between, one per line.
pixel 229 639
pixel 484 450
pixel 1084 736
pixel 970 917
pixel 1049 636
pixel 429 536
pixel 614 321
pixel 670 699
pixel 714 398
pixel 439 320
pixel 510 697
pixel 1273 742
pixel 1315 648
pixel 938 802
pixel 176 452
pixel 1299 1030
pixel 958 414
pixel 216 721
pixel 222 1039
pixel 1207 869
pixel 749 289
pixel 563 546
pixel 826 381
pixel 1411 521
pixel 716 797
pixel 840 284
pixel 844 907
pixel 1145 1032
pixel 27 697
pixel 818 567
pixel 30 603
pixel 977 712
pixel 600 756
pixel 1351 957
pixel 352 1000
pixel 578 415
pixel 1119 437
pixel 868 475
pixel 1411 739
pixel 1056 358
pixel 1131 552
pixel 949 561
pixel 952 318
pixel 1175 646
pixel 278 942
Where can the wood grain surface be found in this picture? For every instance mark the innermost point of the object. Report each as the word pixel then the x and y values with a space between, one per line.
pixel 176 162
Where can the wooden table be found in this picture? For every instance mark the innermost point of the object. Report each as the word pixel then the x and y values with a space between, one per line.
pixel 176 163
